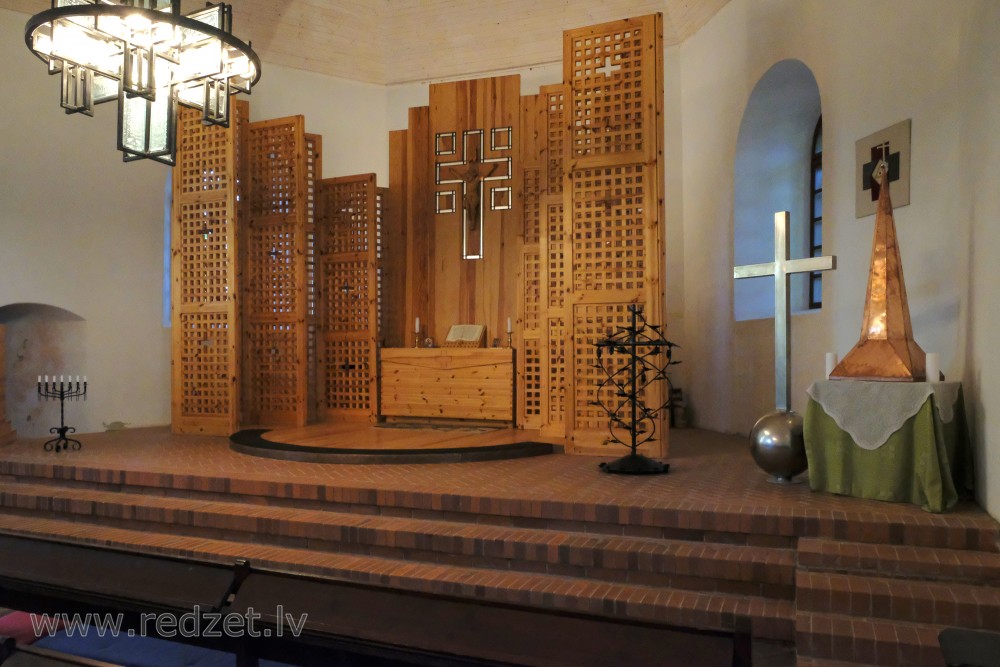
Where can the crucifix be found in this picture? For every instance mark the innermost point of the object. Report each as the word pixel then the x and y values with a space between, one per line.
pixel 781 268
pixel 471 173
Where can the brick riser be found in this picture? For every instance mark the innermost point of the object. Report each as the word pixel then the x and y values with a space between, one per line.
pixel 878 605
pixel 739 570
pixel 714 523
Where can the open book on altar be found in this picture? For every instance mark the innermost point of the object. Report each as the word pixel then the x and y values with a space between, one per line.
pixel 466 335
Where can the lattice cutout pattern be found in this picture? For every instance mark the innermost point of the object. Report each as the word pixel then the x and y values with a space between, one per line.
pixel 608 228
pixel 532 377
pixel 556 140
pixel 347 374
pixel 271 269
pixel 346 293
pixel 345 208
pixel 204 260
pixel 555 264
pixel 205 357
pixel 532 204
pixel 590 323
pixel 608 91
pixel 202 154
pixel 273 169
pixel 557 370
pixel 273 367
pixel 532 290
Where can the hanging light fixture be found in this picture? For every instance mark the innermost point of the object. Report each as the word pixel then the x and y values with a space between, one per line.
pixel 150 58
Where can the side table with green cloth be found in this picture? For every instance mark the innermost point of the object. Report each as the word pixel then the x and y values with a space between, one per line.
pixel 895 441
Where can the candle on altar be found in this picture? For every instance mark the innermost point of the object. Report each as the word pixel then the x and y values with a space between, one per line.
pixel 509 329
pixel 416 326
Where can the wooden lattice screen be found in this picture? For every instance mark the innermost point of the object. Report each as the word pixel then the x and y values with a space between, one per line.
pixel 347 255
pixel 612 200
pixel 207 196
pixel 278 289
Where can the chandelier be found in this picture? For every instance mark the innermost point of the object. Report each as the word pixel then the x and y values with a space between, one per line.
pixel 150 58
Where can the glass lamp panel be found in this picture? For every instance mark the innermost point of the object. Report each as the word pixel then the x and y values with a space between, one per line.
pixel 211 16
pixel 134 121
pixel 105 89
pixel 82 46
pixel 200 61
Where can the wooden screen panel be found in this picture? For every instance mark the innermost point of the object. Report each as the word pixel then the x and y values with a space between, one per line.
pixel 314 172
pixel 7 433
pixel 205 240
pixel 348 250
pixel 609 220
pixel 558 379
pixel 613 203
pixel 556 132
pixel 615 71
pixel 276 273
pixel 532 397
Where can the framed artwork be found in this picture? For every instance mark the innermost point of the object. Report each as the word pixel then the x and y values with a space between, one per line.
pixel 893 145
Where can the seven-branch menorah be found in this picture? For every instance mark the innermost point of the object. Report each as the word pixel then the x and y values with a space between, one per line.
pixel 62 389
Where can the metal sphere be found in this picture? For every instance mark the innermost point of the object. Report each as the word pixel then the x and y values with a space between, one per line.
pixel 777 445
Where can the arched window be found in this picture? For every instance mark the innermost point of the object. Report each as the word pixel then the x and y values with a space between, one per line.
pixel 816 215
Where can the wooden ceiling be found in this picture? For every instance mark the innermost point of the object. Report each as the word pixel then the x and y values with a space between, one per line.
pixel 400 41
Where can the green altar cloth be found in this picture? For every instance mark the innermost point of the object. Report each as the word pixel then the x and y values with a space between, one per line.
pixel 927 461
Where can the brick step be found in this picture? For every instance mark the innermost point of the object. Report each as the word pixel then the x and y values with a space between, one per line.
pixel 909 562
pixel 947 604
pixel 676 564
pixel 768 619
pixel 755 526
pixel 802 661
pixel 853 640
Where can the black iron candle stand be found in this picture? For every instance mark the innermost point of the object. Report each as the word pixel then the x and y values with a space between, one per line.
pixel 72 389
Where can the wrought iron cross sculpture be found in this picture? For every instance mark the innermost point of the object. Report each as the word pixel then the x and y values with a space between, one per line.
pixel 781 268
pixel 472 172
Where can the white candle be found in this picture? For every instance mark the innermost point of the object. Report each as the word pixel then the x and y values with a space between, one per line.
pixel 39 379
pixel 416 326
pixel 46 379
pixel 933 365
pixel 62 378
pixel 831 362
pixel 509 329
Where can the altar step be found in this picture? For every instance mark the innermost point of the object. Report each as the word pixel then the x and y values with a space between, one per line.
pixel 726 568
pixel 886 604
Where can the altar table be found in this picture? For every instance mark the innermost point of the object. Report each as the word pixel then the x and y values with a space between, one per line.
pixel 894 441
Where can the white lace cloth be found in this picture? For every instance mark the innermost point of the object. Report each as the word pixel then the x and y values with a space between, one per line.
pixel 872 411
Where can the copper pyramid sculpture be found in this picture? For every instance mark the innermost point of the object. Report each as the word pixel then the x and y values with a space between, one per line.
pixel 886 350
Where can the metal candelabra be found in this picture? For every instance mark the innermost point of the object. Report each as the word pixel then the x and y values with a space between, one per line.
pixel 621 393
pixel 63 389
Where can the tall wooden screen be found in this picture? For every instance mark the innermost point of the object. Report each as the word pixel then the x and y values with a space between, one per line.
pixel 276 280
pixel 475 135
pixel 541 350
pixel 349 292
pixel 612 201
pixel 208 188
pixel 7 433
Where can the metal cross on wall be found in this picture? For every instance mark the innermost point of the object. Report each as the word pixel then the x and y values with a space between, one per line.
pixel 781 268
pixel 472 172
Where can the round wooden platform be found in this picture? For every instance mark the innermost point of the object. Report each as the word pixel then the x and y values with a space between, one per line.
pixel 393 444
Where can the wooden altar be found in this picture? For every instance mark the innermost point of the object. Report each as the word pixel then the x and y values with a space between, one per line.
pixel 447 383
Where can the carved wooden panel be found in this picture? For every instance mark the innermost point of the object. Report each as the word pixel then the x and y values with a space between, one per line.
pixel 206 215
pixel 277 285
pixel 348 255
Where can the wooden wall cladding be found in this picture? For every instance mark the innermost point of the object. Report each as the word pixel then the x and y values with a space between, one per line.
pixel 475 129
pixel 207 195
pixel 7 433
pixel 450 383
pixel 277 286
pixel 613 202
pixel 348 248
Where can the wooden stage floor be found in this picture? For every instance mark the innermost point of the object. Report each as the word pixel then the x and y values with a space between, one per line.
pixel 711 545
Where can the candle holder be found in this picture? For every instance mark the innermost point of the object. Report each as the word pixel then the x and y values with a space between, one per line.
pixel 633 360
pixel 62 390
pixel 510 339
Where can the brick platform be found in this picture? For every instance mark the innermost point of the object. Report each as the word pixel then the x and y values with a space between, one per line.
pixel 711 545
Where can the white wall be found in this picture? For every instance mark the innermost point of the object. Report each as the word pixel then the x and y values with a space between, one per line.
pixel 980 149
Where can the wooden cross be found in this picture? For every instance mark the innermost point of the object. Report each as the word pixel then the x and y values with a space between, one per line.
pixel 609 201
pixel 781 268
pixel 607 69
pixel 471 173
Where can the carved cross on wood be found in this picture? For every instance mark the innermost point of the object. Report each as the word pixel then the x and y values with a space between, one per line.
pixel 471 173
pixel 609 201
pixel 607 69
